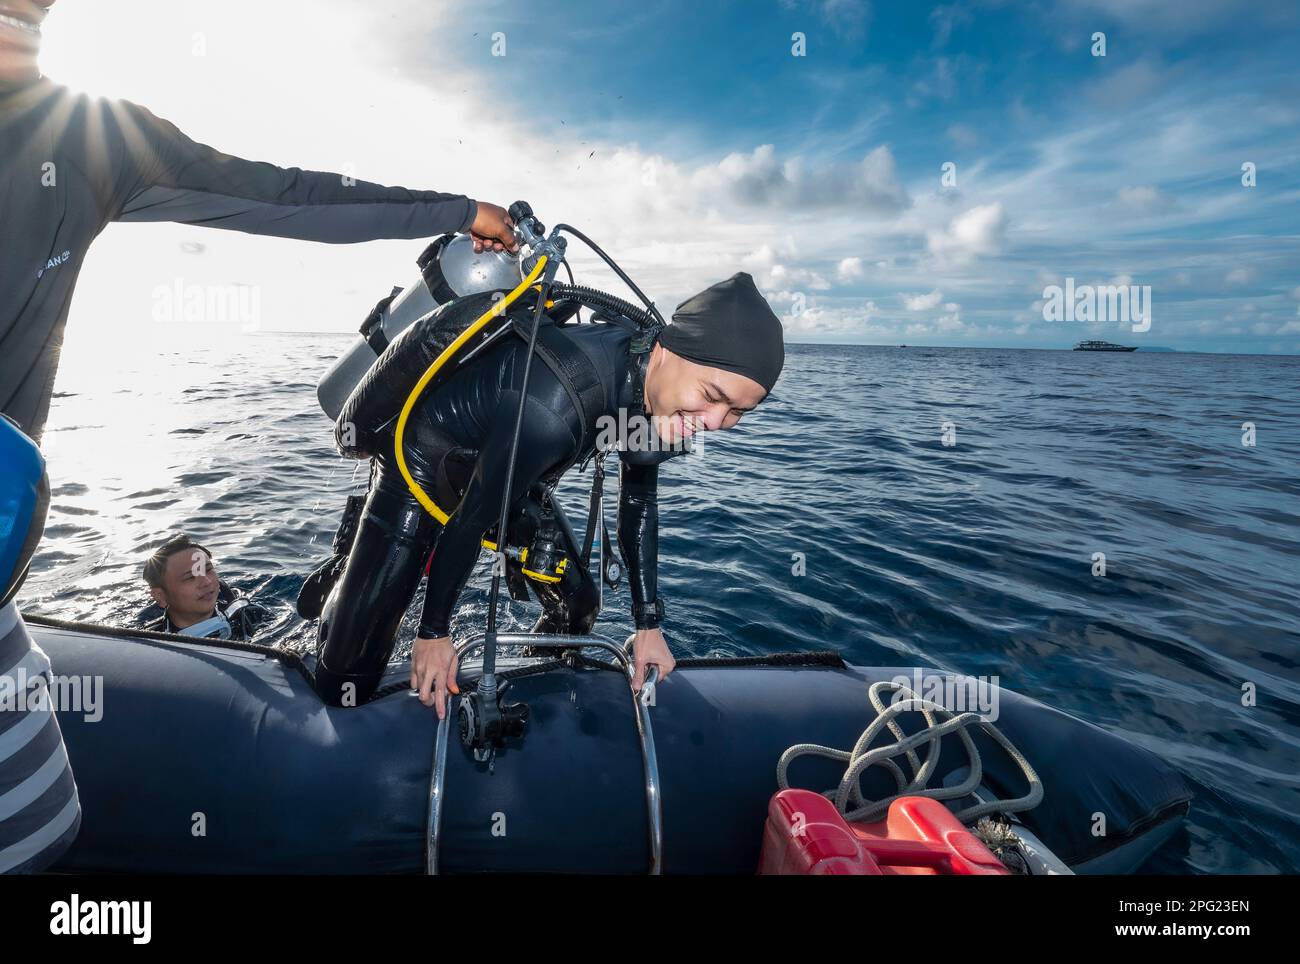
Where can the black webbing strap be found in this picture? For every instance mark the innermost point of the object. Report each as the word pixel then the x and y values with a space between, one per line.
pixel 431 272
pixel 593 510
pixel 372 329
pixel 578 376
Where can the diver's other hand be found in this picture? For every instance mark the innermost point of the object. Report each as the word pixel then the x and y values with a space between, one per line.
pixel 492 229
pixel 433 672
pixel 649 647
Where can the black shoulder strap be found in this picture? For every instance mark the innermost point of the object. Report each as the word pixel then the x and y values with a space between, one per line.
pixel 372 329
pixel 576 373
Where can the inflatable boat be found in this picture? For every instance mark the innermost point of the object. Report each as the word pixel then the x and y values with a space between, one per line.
pixel 211 757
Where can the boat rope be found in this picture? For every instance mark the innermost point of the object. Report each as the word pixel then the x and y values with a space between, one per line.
pixel 848 796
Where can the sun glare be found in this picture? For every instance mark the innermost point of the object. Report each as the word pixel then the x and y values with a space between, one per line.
pixel 100 48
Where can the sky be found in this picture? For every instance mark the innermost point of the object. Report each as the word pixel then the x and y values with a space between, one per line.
pixel 888 172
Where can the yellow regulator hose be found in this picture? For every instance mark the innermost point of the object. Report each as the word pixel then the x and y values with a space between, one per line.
pixel 496 310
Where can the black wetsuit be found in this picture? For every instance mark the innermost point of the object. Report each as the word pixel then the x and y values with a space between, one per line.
pixel 70 164
pixel 243 615
pixel 469 420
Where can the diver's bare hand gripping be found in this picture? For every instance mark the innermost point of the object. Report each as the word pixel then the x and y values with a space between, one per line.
pixel 433 672
pixel 493 230
pixel 649 647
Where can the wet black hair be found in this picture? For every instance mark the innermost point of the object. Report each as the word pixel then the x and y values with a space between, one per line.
pixel 157 563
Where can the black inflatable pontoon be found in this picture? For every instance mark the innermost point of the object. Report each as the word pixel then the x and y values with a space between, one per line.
pixel 212 759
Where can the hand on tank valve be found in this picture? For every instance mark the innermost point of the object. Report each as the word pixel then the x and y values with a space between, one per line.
pixel 493 230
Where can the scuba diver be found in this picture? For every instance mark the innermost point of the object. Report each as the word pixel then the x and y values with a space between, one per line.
pixel 717 360
pixel 191 599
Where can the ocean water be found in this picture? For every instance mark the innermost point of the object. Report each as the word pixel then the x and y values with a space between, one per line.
pixel 977 556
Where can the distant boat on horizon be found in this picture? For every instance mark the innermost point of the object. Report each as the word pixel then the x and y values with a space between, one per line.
pixel 1102 346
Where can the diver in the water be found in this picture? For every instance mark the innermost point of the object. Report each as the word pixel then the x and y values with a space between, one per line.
pixel 718 359
pixel 189 597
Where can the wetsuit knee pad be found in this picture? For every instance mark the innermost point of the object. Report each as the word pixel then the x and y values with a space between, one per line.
pixel 345 689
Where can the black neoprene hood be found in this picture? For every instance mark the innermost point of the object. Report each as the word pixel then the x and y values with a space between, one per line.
pixel 729 326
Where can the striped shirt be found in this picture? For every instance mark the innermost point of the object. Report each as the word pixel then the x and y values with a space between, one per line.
pixel 39 810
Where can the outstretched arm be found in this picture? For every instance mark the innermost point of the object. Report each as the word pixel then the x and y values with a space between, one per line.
pixel 166 176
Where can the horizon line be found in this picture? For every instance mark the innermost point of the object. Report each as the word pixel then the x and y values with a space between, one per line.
pixel 1151 350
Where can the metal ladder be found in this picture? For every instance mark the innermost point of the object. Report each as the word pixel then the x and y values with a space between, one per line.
pixel 640 701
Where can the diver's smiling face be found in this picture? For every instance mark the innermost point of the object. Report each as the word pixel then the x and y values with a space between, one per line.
pixel 20 40
pixel 683 397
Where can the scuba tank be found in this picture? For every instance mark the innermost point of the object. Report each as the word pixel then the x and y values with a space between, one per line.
pixel 449 269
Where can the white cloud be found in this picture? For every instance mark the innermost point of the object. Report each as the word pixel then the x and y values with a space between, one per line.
pixel 978 231
pixel 781 275
pixel 922 302
pixel 1145 199
pixel 760 259
pixel 760 178
pixel 855 319
pixel 849 269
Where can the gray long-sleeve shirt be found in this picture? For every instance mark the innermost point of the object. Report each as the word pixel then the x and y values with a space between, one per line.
pixel 70 164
